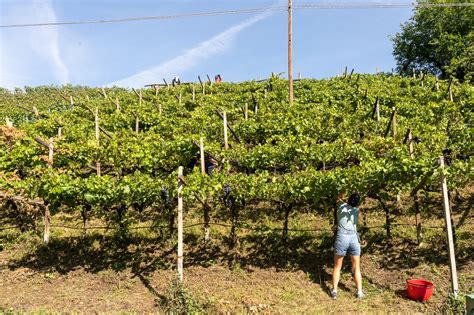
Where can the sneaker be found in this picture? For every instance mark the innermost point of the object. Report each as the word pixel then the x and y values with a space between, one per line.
pixel 333 294
pixel 360 295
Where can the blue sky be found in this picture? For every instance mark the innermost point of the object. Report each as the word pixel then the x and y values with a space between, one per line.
pixel 239 47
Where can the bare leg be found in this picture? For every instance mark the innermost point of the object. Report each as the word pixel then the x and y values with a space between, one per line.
pixel 355 260
pixel 337 271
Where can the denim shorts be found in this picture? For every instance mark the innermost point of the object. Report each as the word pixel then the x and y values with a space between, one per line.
pixel 347 243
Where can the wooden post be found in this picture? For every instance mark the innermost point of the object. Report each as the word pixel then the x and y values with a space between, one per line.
pixel 97 138
pixel 345 72
pixel 72 101
pixel 117 104
pixel 451 94
pixel 437 84
pixel 156 90
pixel 449 231
pixel 377 110
pixel 160 109
pixel 366 93
pixel 179 98
pixel 410 144
pixel 194 93
pixel 36 111
pixel 422 78
pixel 137 124
pixel 394 122
pixel 60 131
pixel 47 221
pixel 246 111
pixel 103 92
pixel 203 162
pixel 290 51
pixel 414 73
pixel 180 223
pixel 299 75
pixel 51 152
pixel 226 142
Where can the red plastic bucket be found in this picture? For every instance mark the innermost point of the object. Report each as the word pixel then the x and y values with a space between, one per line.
pixel 419 290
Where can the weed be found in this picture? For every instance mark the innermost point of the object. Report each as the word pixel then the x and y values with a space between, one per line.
pixel 178 300
pixel 454 305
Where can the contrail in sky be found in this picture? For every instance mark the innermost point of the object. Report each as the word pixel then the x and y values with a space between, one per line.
pixel 190 58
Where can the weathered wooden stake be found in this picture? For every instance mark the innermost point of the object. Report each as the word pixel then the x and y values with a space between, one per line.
pixel 51 152
pixel 47 221
pixel 60 131
pixel 246 111
pixel 394 122
pixel 137 124
pixel 103 92
pixel 117 104
pixel 226 143
pixel 203 162
pixel 97 138
pixel 194 93
pixel 449 231
pixel 290 51
pixel 9 123
pixel 377 110
pixel 180 223
pixel 72 101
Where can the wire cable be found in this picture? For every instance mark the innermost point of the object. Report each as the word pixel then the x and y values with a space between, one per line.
pixel 304 6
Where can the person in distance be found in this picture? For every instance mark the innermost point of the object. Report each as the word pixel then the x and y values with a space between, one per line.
pixel 347 242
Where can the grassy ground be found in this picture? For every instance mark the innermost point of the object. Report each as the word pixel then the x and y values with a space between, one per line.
pixel 96 273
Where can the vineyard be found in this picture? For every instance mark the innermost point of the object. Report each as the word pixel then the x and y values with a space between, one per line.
pixel 109 157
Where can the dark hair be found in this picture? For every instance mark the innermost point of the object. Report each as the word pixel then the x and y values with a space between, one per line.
pixel 354 200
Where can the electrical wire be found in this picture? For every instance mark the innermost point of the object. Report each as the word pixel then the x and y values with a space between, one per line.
pixel 304 6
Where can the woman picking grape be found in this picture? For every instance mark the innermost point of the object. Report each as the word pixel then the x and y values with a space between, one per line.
pixel 347 243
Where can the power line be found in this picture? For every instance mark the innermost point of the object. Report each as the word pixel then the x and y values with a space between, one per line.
pixel 303 6
pixel 146 18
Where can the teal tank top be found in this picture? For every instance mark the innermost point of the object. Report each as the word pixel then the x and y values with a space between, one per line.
pixel 347 217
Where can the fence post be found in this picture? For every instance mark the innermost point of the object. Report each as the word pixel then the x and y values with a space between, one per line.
pixel 449 232
pixel 180 224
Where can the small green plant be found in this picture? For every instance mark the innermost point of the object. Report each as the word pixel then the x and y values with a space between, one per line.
pixel 178 300
pixel 454 305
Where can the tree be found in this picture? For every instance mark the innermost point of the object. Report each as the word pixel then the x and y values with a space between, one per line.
pixel 439 40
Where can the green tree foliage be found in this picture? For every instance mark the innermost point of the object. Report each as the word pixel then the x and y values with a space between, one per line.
pixel 439 40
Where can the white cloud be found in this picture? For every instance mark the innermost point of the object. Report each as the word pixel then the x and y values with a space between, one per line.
pixel 31 54
pixel 189 58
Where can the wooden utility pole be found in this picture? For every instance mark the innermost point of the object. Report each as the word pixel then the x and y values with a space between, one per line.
pixel 449 231
pixel 180 224
pixel 290 50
